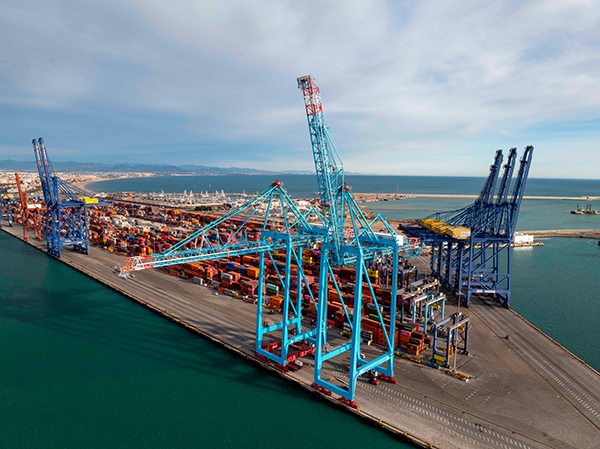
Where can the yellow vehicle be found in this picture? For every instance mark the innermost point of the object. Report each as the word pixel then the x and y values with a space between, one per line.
pixel 88 200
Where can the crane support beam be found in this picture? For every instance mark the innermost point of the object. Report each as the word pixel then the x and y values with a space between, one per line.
pixel 459 328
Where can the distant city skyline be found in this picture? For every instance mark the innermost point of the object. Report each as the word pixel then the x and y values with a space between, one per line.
pixel 409 88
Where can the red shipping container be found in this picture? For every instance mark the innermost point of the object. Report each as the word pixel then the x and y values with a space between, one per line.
pixel 418 336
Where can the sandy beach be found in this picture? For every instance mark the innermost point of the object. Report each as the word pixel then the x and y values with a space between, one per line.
pixel 84 185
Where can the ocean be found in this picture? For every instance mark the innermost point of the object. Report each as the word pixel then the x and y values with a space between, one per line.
pixel 304 186
pixel 535 214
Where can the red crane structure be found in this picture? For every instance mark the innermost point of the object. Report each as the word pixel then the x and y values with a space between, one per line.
pixel 31 214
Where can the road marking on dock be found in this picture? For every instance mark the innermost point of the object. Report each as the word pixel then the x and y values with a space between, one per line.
pixel 407 402
pixel 546 365
pixel 571 392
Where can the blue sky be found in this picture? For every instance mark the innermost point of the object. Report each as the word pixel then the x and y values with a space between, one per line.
pixel 409 88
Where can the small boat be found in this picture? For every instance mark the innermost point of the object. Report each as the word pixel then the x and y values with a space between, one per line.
pixel 577 211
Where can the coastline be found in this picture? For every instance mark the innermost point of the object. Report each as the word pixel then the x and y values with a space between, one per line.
pixel 84 185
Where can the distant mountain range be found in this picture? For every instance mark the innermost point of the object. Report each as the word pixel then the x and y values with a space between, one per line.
pixel 71 166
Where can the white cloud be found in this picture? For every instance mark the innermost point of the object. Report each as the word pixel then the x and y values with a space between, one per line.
pixel 467 73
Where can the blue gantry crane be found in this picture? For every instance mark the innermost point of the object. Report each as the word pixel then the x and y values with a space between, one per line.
pixel 346 237
pixel 471 246
pixel 66 206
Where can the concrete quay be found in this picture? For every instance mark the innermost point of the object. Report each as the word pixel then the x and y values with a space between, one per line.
pixel 526 392
pixel 571 233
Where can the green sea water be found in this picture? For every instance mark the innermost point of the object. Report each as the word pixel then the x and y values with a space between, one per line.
pixel 83 367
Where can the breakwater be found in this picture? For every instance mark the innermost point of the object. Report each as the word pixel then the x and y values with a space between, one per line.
pixel 571 233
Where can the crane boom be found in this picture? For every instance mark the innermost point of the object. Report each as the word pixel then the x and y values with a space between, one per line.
pixel 44 170
pixel 22 195
pixel 328 165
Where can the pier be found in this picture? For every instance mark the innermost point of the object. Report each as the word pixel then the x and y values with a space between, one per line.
pixel 372 197
pixel 525 392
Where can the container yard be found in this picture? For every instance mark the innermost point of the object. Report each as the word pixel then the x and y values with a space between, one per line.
pixel 408 328
pixel 134 230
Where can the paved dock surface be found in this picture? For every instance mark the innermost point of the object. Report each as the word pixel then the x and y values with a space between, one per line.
pixel 526 392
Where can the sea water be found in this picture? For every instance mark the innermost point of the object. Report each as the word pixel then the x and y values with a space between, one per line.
pixel 302 186
pixel 535 214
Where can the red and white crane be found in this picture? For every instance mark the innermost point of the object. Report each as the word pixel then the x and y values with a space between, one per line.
pixel 31 214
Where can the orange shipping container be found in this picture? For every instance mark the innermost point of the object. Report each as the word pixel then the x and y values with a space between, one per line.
pixel 252 272
pixel 276 301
